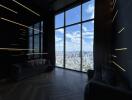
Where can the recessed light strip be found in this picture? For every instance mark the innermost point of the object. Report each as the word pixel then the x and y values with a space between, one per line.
pixel 121 49
pixel 114 56
pixel 118 66
pixel 37 53
pixel 115 16
pixel 8 9
pixel 15 49
pixel 121 30
pixel 18 24
pixel 114 3
pixel 25 7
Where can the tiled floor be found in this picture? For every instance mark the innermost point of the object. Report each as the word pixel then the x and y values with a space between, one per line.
pixel 60 84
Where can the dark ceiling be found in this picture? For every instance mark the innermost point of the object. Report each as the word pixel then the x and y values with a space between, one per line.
pixel 24 16
pixel 39 6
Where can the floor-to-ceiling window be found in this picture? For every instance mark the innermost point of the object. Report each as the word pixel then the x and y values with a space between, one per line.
pixel 59 38
pixel 74 35
pixel 36 40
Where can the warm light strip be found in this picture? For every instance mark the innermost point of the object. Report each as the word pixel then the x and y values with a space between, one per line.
pixel 26 7
pixel 22 39
pixel 14 49
pixel 118 66
pixel 121 30
pixel 114 16
pixel 19 24
pixel 114 56
pixel 36 53
pixel 8 9
pixel 114 4
pixel 13 44
pixel 121 49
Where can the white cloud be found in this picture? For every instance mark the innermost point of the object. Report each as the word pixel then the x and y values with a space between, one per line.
pixel 92 22
pixel 88 33
pixel 89 37
pixel 84 28
pixel 57 39
pixel 90 10
pixel 87 46
pixel 74 37
pixel 68 35
pixel 92 16
pixel 74 44
pixel 60 30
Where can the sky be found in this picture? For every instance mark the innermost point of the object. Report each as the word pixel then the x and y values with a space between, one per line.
pixel 73 32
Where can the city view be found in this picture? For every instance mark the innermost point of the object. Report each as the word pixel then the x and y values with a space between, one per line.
pixel 73 60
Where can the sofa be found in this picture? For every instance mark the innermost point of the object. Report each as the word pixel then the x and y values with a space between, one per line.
pixel 30 68
pixel 98 89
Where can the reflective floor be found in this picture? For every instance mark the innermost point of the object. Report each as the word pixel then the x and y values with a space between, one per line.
pixel 60 84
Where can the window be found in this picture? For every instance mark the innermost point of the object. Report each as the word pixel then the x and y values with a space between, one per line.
pixel 88 10
pixel 74 35
pixel 87 45
pixel 36 40
pixel 59 20
pixel 41 37
pixel 30 39
pixel 73 15
pixel 73 38
pixel 36 43
pixel 59 38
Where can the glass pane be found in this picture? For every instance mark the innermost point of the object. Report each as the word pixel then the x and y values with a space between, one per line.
pixel 30 30
pixel 88 10
pixel 73 15
pixel 30 43
pixel 87 45
pixel 73 47
pixel 59 20
pixel 37 28
pixel 41 26
pixel 36 43
pixel 42 36
pixel 59 46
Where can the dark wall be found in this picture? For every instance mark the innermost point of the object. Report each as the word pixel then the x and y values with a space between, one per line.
pixel 102 42
pixel 49 37
pixel 11 36
pixel 123 39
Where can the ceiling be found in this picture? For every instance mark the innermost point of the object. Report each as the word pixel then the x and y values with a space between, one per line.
pixel 39 6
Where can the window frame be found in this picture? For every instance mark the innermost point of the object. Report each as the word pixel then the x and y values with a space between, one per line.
pixel 39 34
pixel 81 33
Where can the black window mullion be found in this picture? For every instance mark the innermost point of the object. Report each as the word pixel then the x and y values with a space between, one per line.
pixel 39 39
pixel 75 23
pixel 64 40
pixel 81 42
pixel 33 41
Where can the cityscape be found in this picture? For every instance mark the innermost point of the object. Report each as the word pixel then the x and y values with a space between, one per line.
pixel 73 60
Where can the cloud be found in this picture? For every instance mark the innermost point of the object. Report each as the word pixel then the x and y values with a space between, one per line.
pixel 73 41
pixel 89 37
pixel 68 35
pixel 90 10
pixel 84 28
pixel 57 39
pixel 60 30
pixel 74 37
pixel 88 33
pixel 87 46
